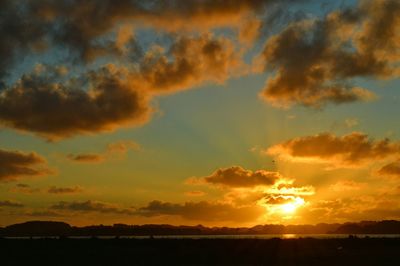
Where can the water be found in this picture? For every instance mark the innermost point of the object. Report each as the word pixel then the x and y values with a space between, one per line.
pixel 269 236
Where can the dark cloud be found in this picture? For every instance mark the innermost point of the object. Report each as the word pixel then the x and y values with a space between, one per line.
pixel 16 164
pixel 203 211
pixel 64 190
pixel 79 26
pixel 236 176
pixel 30 26
pixel 314 59
pixel 86 158
pixel 391 169
pixel 91 206
pixel 38 103
pixel 57 105
pixel 278 199
pixel 94 17
pixel 189 62
pixel 43 214
pixel 24 188
pixel 21 33
pixel 342 151
pixel 54 106
pixel 352 208
pixel 10 204
pixel 114 150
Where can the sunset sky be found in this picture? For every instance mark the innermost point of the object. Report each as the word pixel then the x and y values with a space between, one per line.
pixel 221 113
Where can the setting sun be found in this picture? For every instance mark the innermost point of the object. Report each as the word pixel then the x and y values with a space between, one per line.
pixel 288 208
pixel 291 207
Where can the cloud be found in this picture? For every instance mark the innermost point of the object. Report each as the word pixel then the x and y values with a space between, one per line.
pixel 195 61
pixel 207 14
pixel 24 188
pixel 203 211
pixel 15 165
pixel 91 206
pixel 40 104
pixel 315 59
pixel 122 146
pixel 59 104
pixel 279 199
pixel 86 158
pixel 37 26
pixel 351 122
pixel 55 106
pixel 292 189
pixel 32 26
pixel 64 190
pixel 45 213
pixel 93 18
pixel 11 204
pixel 195 193
pixel 113 151
pixel 237 176
pixel 349 150
pixel 353 208
pixel 256 190
pixel 249 31
pixel 346 185
pixel 20 36
pixel 392 169
pixel 259 188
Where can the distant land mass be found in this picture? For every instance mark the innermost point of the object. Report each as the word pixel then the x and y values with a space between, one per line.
pixel 52 228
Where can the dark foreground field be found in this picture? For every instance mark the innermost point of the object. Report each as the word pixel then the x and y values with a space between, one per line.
pixel 351 251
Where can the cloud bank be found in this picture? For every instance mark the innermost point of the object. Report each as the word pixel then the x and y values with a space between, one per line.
pixel 314 60
pixel 15 165
pixel 350 150
pixel 237 176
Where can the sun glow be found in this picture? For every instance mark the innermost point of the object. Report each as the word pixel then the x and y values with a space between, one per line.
pixel 291 207
pixel 288 208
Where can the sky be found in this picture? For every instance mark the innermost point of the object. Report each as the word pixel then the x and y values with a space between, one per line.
pixel 220 113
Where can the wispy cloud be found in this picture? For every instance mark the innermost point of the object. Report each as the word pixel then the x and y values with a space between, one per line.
pixel 113 150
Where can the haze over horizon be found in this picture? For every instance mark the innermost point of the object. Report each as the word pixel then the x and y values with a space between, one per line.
pixel 221 113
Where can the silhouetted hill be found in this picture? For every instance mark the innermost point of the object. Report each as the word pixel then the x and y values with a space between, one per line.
pixel 38 228
pixel 370 227
pixel 46 228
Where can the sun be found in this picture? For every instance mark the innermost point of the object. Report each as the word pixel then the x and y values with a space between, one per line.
pixel 291 207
